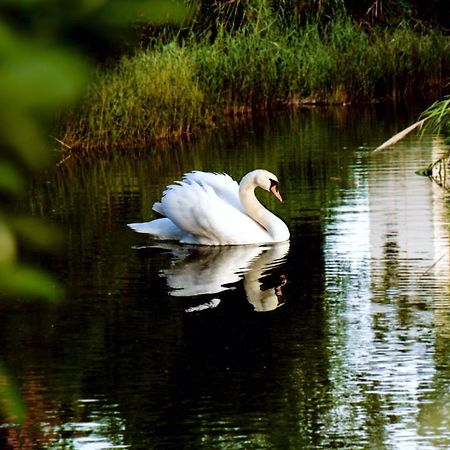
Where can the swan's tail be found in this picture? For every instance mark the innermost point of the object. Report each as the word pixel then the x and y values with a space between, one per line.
pixel 161 228
pixel 143 227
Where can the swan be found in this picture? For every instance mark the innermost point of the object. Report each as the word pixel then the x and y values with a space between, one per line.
pixel 213 209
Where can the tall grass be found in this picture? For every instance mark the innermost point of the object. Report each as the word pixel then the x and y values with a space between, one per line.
pixel 178 88
pixel 411 63
pixel 242 69
pixel 153 95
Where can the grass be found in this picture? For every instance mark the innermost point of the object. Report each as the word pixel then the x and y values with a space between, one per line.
pixel 153 94
pixel 176 89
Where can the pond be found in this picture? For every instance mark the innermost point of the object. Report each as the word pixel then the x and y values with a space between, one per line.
pixel 338 339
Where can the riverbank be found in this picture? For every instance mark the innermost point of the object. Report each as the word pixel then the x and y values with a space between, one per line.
pixel 179 88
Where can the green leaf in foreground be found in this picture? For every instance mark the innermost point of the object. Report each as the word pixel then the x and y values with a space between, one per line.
pixel 24 282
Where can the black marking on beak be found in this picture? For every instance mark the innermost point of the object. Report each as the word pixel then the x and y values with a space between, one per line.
pixel 274 188
pixel 274 185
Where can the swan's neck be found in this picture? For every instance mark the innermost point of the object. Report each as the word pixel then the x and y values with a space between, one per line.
pixel 276 228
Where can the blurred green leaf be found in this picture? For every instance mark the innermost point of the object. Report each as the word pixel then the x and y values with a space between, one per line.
pixel 11 404
pixel 6 38
pixel 41 79
pixel 40 76
pixel 37 233
pixel 11 180
pixel 36 81
pixel 23 135
pixel 7 245
pixel 23 282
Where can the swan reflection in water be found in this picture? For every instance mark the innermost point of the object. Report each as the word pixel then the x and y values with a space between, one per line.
pixel 210 270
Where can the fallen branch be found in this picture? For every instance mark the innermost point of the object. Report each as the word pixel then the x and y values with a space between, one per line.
pixel 399 136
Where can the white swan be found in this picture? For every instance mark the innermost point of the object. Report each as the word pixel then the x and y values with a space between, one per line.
pixel 212 209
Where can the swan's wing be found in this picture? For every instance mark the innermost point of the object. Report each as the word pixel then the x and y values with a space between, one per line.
pixel 158 207
pixel 224 186
pixel 207 218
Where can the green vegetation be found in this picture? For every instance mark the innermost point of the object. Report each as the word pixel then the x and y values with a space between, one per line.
pixel 437 117
pixel 153 93
pixel 251 59
pixel 43 69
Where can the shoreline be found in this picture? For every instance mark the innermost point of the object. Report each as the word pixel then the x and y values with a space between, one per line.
pixel 177 90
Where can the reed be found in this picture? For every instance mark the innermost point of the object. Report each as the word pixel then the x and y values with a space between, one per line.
pixel 437 117
pixel 339 64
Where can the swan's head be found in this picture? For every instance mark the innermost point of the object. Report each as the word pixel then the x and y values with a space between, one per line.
pixel 266 180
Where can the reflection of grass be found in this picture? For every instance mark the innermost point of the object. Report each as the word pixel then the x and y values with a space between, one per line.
pixel 171 90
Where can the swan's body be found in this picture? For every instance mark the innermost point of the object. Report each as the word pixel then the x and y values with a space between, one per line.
pixel 212 209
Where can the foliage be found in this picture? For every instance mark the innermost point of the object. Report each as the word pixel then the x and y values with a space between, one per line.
pixel 37 78
pixel 44 69
pixel 42 72
pixel 438 116
pixel 435 118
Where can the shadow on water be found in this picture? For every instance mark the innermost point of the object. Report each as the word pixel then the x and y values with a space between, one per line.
pixel 337 340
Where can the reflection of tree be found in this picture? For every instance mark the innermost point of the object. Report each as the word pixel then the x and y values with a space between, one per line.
pixel 53 422
pixel 392 269
pixel 434 414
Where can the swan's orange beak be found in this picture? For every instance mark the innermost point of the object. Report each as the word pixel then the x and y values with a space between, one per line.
pixel 276 192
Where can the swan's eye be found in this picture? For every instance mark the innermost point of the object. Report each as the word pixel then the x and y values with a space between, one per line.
pixel 274 184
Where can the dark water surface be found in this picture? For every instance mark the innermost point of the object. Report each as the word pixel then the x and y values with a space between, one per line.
pixel 339 339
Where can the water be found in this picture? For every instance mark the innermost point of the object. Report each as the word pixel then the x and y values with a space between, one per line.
pixel 339 339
